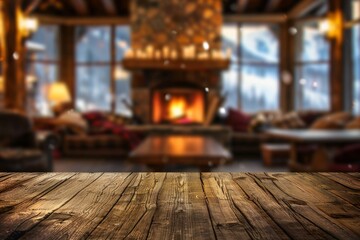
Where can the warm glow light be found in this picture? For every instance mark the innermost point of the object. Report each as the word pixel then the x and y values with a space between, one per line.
pixel 177 108
pixel 59 93
pixel 324 26
pixel 332 25
pixel 206 45
pixel 2 87
pixel 29 25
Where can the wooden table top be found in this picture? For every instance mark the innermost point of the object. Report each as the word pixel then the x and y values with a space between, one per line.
pixel 180 206
pixel 181 150
pixel 316 136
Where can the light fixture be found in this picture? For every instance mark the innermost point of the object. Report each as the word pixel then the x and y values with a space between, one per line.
pixel 28 25
pixel 2 84
pixel 331 26
pixel 59 93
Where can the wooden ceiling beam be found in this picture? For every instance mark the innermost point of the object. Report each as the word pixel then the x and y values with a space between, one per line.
pixel 79 6
pixel 30 6
pixel 241 5
pixel 303 8
pixel 109 7
pixel 272 5
pixel 255 6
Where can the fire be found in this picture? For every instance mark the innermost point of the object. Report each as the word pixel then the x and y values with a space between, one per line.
pixel 177 108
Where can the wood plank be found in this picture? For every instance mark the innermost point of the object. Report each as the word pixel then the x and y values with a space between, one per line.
pixel 182 209
pixel 279 213
pixel 138 201
pixel 303 203
pixel 258 223
pixel 10 181
pixel 270 183
pixel 180 206
pixel 344 179
pixel 79 216
pixel 36 209
pixel 223 212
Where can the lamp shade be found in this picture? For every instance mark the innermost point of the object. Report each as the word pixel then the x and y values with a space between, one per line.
pixel 59 93
pixel 2 87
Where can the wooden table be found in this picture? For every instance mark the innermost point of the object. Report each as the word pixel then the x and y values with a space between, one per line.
pixel 201 151
pixel 179 206
pixel 326 142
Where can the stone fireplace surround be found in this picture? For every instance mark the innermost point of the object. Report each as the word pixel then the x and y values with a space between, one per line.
pixel 174 24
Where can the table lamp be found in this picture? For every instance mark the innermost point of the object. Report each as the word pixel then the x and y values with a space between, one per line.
pixel 2 87
pixel 59 96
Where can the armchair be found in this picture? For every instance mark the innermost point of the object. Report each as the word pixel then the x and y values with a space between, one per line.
pixel 21 148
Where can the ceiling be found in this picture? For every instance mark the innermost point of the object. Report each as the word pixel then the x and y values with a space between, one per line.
pixel 107 8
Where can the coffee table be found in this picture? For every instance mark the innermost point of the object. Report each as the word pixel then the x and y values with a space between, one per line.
pixel 313 150
pixel 200 151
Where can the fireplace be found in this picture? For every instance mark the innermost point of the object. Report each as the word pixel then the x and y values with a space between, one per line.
pixel 175 60
pixel 180 105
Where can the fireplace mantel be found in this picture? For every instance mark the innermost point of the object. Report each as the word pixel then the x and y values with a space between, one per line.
pixel 178 65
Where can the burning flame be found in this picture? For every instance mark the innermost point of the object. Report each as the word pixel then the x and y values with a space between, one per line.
pixel 177 107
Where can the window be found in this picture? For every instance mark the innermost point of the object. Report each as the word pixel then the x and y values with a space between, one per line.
pixel 355 59
pixel 311 68
pixel 97 69
pixel 42 68
pixel 122 77
pixel 93 58
pixel 2 84
pixel 252 82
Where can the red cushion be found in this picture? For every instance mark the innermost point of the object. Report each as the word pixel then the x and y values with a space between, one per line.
pixel 238 120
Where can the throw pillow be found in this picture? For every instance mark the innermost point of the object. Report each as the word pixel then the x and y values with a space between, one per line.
pixel 332 121
pixel 353 124
pixel 238 120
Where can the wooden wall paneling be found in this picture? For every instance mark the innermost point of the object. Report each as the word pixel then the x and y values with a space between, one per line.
pixel 67 59
pixel 113 68
pixel 336 60
pixel 14 55
pixel 286 65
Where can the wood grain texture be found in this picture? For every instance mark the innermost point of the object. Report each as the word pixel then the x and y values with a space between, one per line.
pixel 179 206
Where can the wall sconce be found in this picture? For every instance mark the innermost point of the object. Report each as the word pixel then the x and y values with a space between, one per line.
pixel 28 25
pixel 332 26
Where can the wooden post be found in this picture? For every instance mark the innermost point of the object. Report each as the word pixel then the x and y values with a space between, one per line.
pixel 286 65
pixel 67 59
pixel 336 58
pixel 14 56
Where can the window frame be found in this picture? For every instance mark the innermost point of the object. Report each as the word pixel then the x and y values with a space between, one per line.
pixel 303 63
pixel 45 62
pixel 349 63
pixel 113 63
pixel 240 63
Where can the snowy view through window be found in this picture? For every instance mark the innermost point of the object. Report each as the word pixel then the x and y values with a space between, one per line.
pixel 312 68
pixel 94 64
pixel 356 58
pixel 252 83
pixel 42 68
pixel 93 58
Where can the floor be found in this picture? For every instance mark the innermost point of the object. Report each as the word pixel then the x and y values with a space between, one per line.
pixel 112 165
